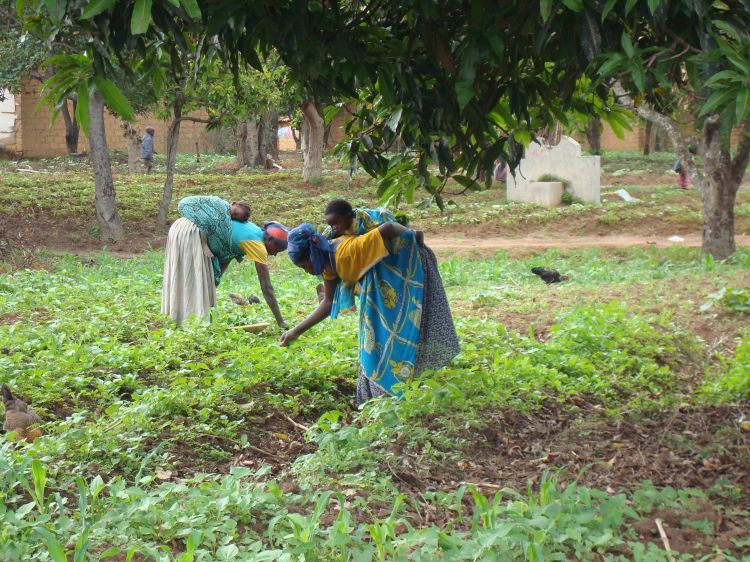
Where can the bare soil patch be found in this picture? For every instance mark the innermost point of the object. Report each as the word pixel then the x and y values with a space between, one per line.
pixel 32 234
pixel 684 447
pixel 544 241
pixel 646 178
pixel 71 237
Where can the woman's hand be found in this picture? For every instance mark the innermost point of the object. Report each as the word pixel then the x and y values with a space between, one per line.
pixel 204 245
pixel 288 337
pixel 283 324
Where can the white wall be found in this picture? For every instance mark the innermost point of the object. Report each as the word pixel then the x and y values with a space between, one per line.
pixel 563 161
pixel 8 121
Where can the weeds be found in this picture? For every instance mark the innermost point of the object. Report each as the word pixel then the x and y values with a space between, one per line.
pixel 152 432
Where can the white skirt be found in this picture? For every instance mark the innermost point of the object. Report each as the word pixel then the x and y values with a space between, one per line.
pixel 189 287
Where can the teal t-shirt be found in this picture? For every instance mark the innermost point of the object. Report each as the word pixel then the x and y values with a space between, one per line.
pixel 244 232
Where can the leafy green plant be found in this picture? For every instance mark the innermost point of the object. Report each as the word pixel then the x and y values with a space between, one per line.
pixel 731 380
pixel 553 178
pixel 125 394
pixel 567 197
pixel 734 300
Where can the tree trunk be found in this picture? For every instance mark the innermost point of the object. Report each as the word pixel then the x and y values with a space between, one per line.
pixel 72 132
pixel 718 176
pixel 719 183
pixel 105 198
pixel 304 137
pixel 313 166
pixel 273 131
pixel 251 141
pixel 241 134
pixel 297 136
pixel 658 140
pixel 263 139
pixel 647 142
pixel 718 193
pixel 173 138
pixel 594 135
pixel 245 155
pixel 134 147
pixel 267 139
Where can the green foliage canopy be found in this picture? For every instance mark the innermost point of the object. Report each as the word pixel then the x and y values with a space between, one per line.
pixel 459 83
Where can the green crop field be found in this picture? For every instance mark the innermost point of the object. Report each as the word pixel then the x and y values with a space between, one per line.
pixel 579 421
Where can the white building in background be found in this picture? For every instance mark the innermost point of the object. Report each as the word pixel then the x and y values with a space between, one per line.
pixel 8 123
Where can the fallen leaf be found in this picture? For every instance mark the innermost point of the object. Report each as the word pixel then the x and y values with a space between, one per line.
pixel 162 474
pixel 712 463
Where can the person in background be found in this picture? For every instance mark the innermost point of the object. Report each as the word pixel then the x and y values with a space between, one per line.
pixel 147 149
pixel 683 182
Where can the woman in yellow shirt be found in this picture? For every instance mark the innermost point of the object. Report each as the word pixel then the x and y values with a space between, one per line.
pixel 405 322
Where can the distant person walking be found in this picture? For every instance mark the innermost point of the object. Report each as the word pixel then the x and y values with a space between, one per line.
pixel 147 149
pixel 683 182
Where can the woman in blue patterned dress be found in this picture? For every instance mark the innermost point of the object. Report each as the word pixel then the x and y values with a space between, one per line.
pixel 405 322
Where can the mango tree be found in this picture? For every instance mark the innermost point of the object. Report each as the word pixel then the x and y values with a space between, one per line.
pixel 697 52
pixel 461 83
pixel 76 75
pixel 22 57
pixel 249 105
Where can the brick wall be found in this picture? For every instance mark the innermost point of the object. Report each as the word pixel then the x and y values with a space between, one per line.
pixel 633 140
pixel 337 127
pixel 36 138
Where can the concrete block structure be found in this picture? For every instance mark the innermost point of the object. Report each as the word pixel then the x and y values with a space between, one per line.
pixel 563 162
pixel 542 193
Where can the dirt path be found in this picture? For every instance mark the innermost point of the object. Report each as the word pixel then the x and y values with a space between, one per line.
pixel 467 245
pixel 617 241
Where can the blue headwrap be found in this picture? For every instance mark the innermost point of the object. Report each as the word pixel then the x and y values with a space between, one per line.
pixel 304 242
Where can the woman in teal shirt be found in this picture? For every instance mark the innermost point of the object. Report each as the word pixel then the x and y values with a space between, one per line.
pixel 200 246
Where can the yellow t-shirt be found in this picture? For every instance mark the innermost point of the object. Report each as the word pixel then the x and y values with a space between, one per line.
pixel 254 250
pixel 355 255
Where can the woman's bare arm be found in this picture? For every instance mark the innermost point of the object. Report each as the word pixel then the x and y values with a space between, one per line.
pixel 321 312
pixel 268 293
pixel 391 230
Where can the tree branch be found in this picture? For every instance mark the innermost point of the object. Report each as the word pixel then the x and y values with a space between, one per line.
pixel 668 125
pixel 364 15
pixel 680 40
pixel 197 119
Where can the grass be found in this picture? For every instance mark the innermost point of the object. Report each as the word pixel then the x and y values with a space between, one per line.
pixel 283 196
pixel 575 416
pixel 176 443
